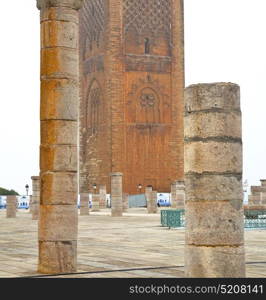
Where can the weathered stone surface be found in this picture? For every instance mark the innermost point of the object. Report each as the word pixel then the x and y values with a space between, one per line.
pixel 65 14
pixel 59 62
pixel 58 158
pixel 212 96
pixel 220 157
pixel 59 132
pixel 61 188
pixel 215 223
pixel 57 33
pixel 213 187
pixel 57 257
pixel 215 262
pixel 58 99
pixel 58 223
pixel 74 4
pixel 213 124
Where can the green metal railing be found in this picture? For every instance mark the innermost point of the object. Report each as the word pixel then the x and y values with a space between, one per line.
pixel 175 218
pixel 255 218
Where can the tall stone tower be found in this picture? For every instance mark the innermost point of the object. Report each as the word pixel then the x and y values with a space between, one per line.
pixel 132 81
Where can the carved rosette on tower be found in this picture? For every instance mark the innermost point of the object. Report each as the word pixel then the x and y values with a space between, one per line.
pixel 58 151
pixel 132 82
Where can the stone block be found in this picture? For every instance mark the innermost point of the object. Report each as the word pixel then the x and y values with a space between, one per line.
pixel 215 124
pixel 212 96
pixel 213 187
pixel 59 99
pixel 56 33
pixel 60 188
pixel 215 223
pixel 213 157
pixel 58 223
pixel 57 257
pixel 215 262
pixel 58 158
pixel 59 132
pixel 59 63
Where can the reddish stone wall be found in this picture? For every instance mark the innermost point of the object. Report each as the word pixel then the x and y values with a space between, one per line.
pixel 131 112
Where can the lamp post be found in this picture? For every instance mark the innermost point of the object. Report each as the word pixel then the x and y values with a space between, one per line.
pixel 27 189
pixel 94 187
pixel 140 187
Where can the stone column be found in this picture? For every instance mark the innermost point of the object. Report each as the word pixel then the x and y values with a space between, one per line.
pixel 95 203
pixel 148 191
pixel 84 204
pixel 263 192
pixel 11 206
pixel 213 179
pixel 178 194
pixel 35 199
pixel 102 192
pixel 152 202
pixel 58 224
pixel 125 202
pixel 117 194
pixel 30 204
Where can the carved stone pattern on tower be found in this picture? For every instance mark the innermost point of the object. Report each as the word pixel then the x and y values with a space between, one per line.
pixel 93 20
pixel 148 15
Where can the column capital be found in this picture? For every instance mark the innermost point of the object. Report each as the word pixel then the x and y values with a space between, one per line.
pixel 74 4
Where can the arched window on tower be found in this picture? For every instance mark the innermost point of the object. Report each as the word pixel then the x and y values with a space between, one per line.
pixel 147 46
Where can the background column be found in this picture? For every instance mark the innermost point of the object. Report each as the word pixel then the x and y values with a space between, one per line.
pixel 213 180
pixel 84 204
pixel 102 192
pixel 117 194
pixel 58 223
pixel 125 202
pixel 11 206
pixel 35 198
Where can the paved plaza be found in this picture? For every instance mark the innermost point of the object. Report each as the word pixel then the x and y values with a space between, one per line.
pixel 124 247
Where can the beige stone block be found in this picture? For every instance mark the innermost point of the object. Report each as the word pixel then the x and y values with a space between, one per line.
pixel 214 224
pixel 117 212
pixel 58 223
pixel 60 14
pixel 57 257
pixel 214 262
pixel 206 96
pixel 60 188
pixel 56 33
pixel 74 4
pixel 59 99
pixel 213 187
pixel 215 124
pixel 58 158
pixel 59 62
pixel 58 132
pixel 221 157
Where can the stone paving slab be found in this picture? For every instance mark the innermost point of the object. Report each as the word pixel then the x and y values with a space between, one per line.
pixel 131 246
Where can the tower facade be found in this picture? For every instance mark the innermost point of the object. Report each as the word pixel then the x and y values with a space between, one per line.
pixel 132 82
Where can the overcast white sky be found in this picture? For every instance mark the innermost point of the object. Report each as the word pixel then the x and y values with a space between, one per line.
pixel 224 41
